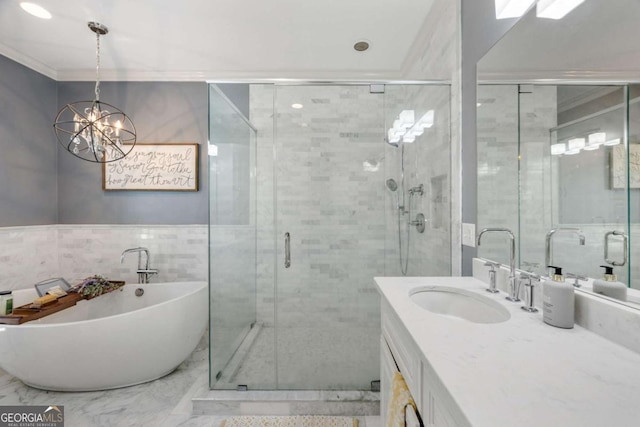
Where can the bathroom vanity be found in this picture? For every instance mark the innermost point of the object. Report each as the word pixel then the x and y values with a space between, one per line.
pixel 515 370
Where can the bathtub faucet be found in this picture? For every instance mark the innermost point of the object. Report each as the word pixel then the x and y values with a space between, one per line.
pixel 143 272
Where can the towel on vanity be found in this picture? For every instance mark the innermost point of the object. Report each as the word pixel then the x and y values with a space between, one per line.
pixel 400 403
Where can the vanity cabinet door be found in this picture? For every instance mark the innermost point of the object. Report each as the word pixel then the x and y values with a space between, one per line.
pixel 399 353
pixel 435 412
pixel 387 370
pixel 440 416
pixel 404 351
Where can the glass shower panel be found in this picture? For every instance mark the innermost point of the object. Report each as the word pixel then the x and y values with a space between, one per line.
pixel 418 173
pixel 497 132
pixel 330 218
pixel 232 239
pixel 538 112
pixel 634 186
pixel 589 188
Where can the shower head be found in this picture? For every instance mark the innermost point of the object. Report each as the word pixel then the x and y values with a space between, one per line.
pixel 392 184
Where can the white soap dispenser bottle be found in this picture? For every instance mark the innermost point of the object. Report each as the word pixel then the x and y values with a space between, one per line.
pixel 558 301
pixel 609 286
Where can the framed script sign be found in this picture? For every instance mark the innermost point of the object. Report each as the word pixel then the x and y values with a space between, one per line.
pixel 154 167
pixel 619 166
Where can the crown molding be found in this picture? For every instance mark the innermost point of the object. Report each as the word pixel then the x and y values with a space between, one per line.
pixel 28 62
pixel 558 77
pixel 230 76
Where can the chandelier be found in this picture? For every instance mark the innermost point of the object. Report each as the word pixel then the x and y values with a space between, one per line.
pixel 93 130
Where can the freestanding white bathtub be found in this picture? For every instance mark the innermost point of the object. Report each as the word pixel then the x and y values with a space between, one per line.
pixel 115 340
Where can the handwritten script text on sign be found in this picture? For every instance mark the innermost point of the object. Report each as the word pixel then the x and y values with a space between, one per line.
pixel 155 167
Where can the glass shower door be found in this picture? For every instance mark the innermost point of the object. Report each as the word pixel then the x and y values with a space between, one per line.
pixel 330 235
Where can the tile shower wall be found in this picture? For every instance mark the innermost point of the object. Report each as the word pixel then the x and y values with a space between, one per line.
pixel 32 254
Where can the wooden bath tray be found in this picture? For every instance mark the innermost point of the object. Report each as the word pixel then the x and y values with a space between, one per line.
pixel 27 313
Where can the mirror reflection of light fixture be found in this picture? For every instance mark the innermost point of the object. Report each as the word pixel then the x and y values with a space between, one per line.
pixel 555 9
pixel 557 149
pixel 575 144
pixel 405 128
pixel 595 140
pixel 512 8
pixel 93 130
pixel 612 142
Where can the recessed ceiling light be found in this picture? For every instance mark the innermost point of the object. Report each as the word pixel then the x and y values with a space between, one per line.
pixel 35 10
pixel 297 106
pixel 361 46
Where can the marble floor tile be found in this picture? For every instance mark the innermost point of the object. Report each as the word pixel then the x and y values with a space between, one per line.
pixel 149 404
pixel 162 403
pixel 327 359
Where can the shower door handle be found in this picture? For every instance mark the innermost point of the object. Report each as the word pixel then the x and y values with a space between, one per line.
pixel 287 250
pixel 625 248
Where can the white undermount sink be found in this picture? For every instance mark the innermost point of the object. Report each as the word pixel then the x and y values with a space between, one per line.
pixel 460 303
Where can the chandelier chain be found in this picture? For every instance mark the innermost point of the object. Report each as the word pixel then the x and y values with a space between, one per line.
pixel 97 66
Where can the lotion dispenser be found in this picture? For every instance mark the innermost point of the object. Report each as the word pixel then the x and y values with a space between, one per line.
pixel 558 301
pixel 609 286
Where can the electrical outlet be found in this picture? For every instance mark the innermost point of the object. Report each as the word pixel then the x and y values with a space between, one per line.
pixel 469 234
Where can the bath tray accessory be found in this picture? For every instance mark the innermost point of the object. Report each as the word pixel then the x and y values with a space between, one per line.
pixel 45 285
pixel 28 312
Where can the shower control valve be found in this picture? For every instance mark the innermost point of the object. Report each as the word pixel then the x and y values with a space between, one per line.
pixel 419 222
pixel 419 190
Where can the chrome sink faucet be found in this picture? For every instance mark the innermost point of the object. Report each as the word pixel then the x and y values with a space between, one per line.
pixel 492 276
pixel 143 272
pixel 514 288
pixel 550 234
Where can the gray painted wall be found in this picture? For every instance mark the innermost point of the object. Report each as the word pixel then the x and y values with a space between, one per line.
pixel 238 93
pixel 162 112
pixel 480 31
pixel 28 147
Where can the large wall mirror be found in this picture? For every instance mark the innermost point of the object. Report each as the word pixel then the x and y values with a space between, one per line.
pixel 558 134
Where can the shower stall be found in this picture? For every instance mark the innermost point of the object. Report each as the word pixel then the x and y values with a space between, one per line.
pixel 303 217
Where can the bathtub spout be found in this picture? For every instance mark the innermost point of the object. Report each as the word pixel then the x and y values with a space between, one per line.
pixel 143 271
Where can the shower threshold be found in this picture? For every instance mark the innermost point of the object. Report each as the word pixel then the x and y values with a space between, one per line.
pixel 288 402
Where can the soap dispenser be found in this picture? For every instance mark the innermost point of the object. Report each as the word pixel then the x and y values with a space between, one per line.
pixel 558 301
pixel 609 286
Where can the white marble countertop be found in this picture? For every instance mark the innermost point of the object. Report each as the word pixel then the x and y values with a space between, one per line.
pixel 521 372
